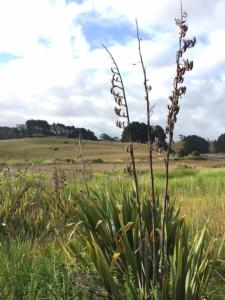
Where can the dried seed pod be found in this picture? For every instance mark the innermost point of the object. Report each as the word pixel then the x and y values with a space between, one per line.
pixel 184 29
pixel 117 111
pixel 188 65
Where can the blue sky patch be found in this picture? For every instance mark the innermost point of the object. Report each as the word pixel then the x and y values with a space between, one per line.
pixel 202 39
pixel 98 31
pixel 7 57
pixel 44 41
pixel 77 1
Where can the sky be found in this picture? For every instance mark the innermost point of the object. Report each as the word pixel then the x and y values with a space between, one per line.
pixel 53 66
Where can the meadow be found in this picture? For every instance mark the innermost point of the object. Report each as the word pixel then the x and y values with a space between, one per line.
pixel 44 152
pixel 43 249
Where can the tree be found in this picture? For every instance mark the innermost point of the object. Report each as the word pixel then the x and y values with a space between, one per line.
pixel 41 128
pixel 159 133
pixel 219 144
pixel 21 130
pixel 58 129
pixel 37 127
pixel 139 133
pixel 105 137
pixel 192 143
pixel 85 134
pixel 8 133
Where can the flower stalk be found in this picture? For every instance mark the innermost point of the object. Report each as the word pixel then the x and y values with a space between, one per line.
pixel 182 65
pixel 147 89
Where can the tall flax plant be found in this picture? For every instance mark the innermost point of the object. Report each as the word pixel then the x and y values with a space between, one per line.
pixel 118 91
pixel 139 246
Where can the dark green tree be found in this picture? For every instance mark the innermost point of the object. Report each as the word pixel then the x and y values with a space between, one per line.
pixel 8 133
pixel 34 128
pixel 75 133
pixel 37 127
pixel 58 129
pixel 192 143
pixel 21 130
pixel 87 134
pixel 105 137
pixel 139 133
pixel 219 144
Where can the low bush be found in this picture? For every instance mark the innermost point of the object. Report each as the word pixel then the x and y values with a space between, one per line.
pixel 195 153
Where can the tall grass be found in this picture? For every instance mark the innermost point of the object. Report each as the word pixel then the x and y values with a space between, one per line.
pixel 36 265
pixel 31 273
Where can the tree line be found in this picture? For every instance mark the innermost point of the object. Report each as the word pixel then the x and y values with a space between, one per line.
pixel 191 144
pixel 41 128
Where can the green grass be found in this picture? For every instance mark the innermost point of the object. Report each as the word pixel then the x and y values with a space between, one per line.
pixel 32 262
pixel 31 273
pixel 201 193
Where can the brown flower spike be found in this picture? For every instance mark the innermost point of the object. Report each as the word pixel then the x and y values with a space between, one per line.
pixel 183 65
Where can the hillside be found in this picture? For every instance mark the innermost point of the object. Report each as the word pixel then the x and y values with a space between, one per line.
pixel 47 151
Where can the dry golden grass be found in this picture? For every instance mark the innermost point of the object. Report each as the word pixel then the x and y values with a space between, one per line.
pixel 43 152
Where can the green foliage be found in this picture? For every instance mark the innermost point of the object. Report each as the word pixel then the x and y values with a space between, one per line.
pixel 8 133
pixel 33 264
pixel 195 153
pixel 219 144
pixel 37 127
pixel 40 128
pixel 139 133
pixel 29 273
pixel 110 227
pixel 29 208
pixel 192 143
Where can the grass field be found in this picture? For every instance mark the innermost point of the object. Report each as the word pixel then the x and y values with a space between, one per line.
pixel 38 210
pixel 48 151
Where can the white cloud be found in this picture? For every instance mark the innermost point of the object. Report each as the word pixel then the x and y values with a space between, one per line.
pixel 66 80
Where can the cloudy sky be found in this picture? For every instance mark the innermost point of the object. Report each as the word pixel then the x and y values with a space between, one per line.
pixel 53 67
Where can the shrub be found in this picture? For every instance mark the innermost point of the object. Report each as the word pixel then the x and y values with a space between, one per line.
pixel 195 153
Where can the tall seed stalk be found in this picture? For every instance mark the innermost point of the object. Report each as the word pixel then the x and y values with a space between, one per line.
pixel 119 94
pixel 147 89
pixel 182 65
